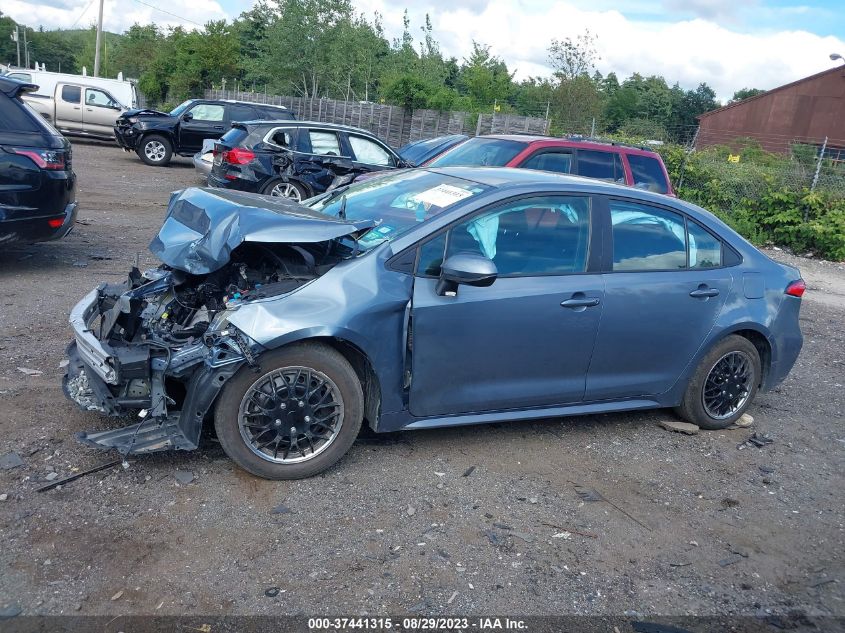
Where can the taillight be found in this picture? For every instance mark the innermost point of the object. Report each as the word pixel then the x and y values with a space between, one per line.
pixel 55 223
pixel 44 158
pixel 796 288
pixel 238 156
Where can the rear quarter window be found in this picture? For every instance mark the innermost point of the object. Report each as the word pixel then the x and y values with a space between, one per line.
pixel 276 114
pixel 234 137
pixel 17 117
pixel 648 173
pixel 600 165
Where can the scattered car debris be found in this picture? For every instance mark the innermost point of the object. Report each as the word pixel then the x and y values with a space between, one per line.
pixel 680 427
pixel 569 529
pixel 281 509
pixel 411 511
pixel 766 470
pixel 588 494
pixel 10 460
pixel 117 596
pixel 184 477
pixel 272 592
pixel 564 535
pixel 51 476
pixel 468 471
pixel 11 611
pixel 757 439
pixel 730 560
pixel 74 476
pixel 30 372
pixel 452 597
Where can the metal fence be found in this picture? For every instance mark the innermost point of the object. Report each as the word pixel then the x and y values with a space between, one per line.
pixel 394 124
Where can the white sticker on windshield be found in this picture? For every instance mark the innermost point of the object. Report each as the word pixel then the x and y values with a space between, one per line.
pixel 442 196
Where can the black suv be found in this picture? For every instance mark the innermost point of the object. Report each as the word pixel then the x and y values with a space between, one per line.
pixel 296 160
pixel 37 184
pixel 156 136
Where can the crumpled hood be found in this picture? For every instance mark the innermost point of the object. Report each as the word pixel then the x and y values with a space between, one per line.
pixel 144 113
pixel 203 226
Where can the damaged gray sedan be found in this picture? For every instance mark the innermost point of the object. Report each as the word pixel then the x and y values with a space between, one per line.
pixel 422 299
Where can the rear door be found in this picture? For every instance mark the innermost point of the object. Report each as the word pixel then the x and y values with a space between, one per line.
pixel 664 287
pixel 201 121
pixel 524 341
pixel 69 106
pixel 99 112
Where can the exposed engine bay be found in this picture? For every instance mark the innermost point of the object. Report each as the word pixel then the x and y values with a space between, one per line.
pixel 159 345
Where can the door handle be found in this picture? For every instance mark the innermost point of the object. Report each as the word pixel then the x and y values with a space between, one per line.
pixel 217 127
pixel 704 292
pixel 580 303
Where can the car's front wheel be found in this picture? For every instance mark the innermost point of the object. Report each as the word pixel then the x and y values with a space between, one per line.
pixel 724 384
pixel 295 416
pixel 155 150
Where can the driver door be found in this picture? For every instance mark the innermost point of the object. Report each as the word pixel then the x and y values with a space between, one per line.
pixel 526 340
pixel 202 121
pixel 99 112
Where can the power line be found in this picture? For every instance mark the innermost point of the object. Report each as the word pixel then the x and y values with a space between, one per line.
pixel 84 11
pixel 147 4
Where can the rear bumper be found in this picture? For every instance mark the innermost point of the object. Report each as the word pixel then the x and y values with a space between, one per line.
pixel 38 228
pixel 787 342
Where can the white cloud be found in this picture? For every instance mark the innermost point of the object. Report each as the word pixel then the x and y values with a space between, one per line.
pixel 688 51
pixel 117 17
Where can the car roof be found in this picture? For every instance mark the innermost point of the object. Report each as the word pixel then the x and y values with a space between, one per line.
pixel 250 103
pixel 288 123
pixel 570 141
pixel 13 87
pixel 503 178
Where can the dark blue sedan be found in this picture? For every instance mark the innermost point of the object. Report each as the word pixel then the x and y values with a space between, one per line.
pixel 428 298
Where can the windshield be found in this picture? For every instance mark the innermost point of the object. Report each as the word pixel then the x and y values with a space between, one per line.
pixel 396 202
pixel 181 108
pixel 479 151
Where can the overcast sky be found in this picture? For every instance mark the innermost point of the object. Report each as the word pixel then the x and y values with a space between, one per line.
pixel 730 44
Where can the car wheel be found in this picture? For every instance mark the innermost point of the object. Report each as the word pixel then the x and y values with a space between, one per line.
pixel 155 150
pixel 281 189
pixel 293 417
pixel 724 384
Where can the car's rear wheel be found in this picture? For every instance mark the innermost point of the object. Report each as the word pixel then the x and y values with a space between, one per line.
pixel 281 189
pixel 294 417
pixel 724 384
pixel 155 150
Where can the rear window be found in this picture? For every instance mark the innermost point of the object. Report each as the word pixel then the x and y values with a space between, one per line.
pixel 16 117
pixel 491 152
pixel 600 165
pixel 71 94
pixel 241 113
pixel 648 173
pixel 234 137
pixel 277 114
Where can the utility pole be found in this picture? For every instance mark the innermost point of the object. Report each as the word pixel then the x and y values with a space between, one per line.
pixel 25 48
pixel 99 37
pixel 17 38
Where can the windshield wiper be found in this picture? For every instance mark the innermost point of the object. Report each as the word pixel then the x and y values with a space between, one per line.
pixel 341 213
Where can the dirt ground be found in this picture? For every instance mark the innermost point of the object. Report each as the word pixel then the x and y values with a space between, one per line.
pixel 473 520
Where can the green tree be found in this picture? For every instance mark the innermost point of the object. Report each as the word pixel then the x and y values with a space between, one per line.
pixel 485 78
pixel 745 93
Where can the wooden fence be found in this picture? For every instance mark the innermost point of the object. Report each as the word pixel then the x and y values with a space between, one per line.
pixel 393 124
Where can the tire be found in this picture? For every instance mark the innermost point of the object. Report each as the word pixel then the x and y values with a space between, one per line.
pixel 714 410
pixel 240 431
pixel 155 150
pixel 291 190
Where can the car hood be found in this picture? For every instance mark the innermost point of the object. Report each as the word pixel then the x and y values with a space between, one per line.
pixel 144 113
pixel 203 226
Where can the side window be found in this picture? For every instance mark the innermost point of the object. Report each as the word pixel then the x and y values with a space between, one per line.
pixel 368 152
pixel 647 173
pixel 99 98
pixel 71 94
pixel 21 77
pixel 324 143
pixel 647 238
pixel 534 236
pixel 283 137
pixel 705 251
pixel 600 165
pixel 560 162
pixel 241 113
pixel 207 112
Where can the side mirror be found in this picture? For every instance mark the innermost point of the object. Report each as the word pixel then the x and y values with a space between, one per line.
pixel 465 268
pixel 187 117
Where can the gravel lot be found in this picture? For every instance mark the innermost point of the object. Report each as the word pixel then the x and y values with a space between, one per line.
pixel 469 521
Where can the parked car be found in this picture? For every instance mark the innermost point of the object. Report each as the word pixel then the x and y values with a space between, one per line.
pixel 156 136
pixel 78 109
pixel 295 160
pixel 638 167
pixel 427 298
pixel 204 159
pixel 37 183
pixel 420 152
pixel 122 90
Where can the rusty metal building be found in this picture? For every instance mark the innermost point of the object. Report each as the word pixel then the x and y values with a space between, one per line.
pixel 809 111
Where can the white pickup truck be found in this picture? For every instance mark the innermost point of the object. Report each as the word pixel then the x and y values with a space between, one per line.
pixel 78 105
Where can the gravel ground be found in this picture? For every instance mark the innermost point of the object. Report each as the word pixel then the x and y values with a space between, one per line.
pixel 472 520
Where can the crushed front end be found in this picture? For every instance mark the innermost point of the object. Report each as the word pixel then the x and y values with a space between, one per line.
pixel 158 348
